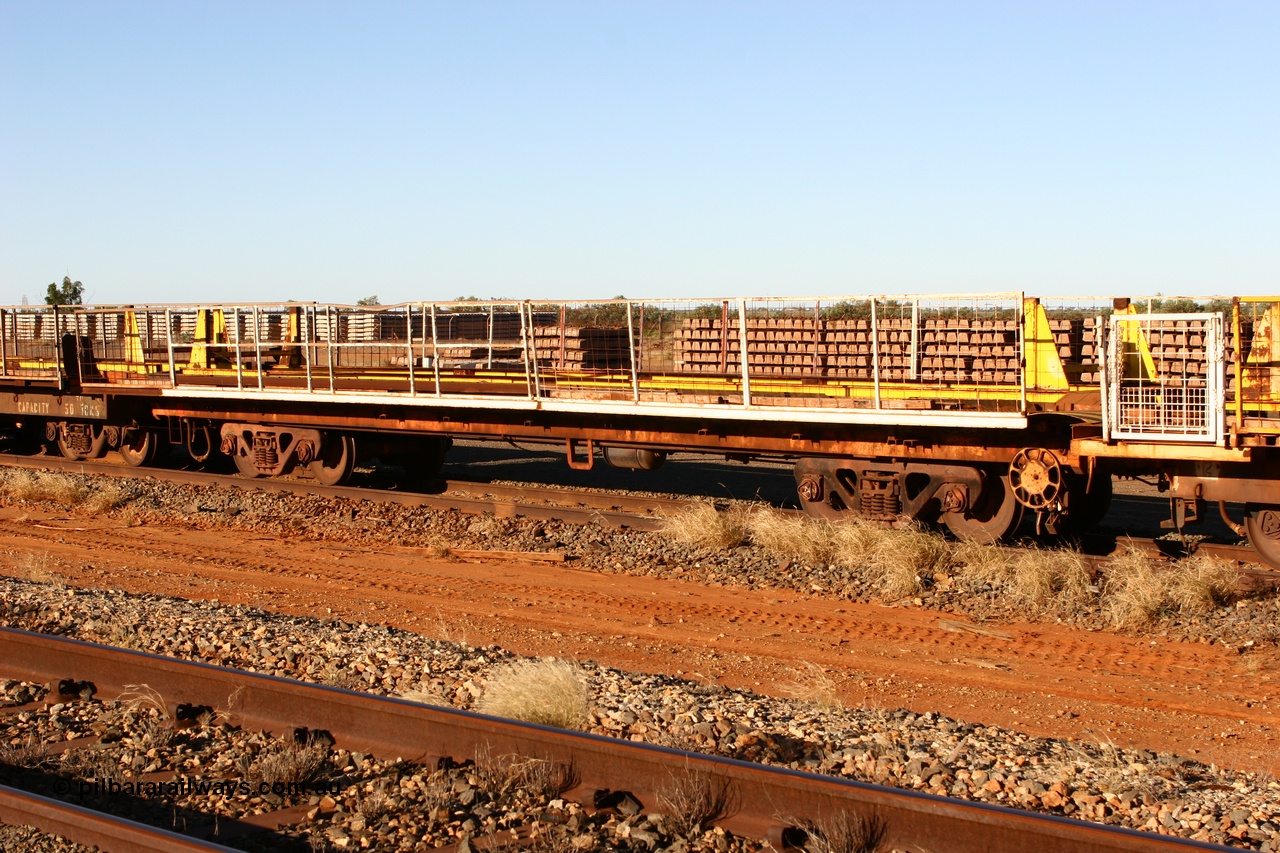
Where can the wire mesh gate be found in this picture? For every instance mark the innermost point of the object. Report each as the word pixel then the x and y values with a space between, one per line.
pixel 1162 377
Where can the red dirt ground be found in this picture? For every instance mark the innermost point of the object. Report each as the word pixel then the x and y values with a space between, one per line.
pixel 1195 699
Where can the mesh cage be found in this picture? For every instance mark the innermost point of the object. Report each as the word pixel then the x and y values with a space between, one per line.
pixel 1164 377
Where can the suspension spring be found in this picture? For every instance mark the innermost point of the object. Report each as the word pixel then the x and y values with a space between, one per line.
pixel 265 454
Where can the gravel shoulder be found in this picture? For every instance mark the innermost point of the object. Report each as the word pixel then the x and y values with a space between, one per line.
pixel 734 652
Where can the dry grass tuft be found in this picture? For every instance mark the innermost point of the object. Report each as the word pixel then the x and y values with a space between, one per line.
pixel 1134 588
pixel 92 764
pixel 808 540
pixel 1051 579
pixel 903 557
pixel 693 801
pixel 845 833
pixel 703 525
pixel 1201 583
pixel 1140 590
pixel 852 540
pixel 52 488
pixel 28 753
pixel 549 692
pixel 139 698
pixel 289 762
pixel 504 775
pixel 37 568
pixel 979 563
pixel 814 686
pixel 103 498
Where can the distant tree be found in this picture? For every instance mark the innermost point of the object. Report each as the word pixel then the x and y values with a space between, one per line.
pixel 68 293
pixel 368 300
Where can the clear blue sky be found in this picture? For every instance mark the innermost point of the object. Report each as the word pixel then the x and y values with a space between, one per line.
pixel 182 151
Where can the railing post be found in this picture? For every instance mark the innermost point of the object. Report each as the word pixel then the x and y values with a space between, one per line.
pixel 235 323
pixel 532 377
pixel 168 333
pixel 631 357
pixel 435 349
pixel 742 345
pixel 408 327
pixel 309 316
pixel 257 346
pixel 875 358
pixel 328 321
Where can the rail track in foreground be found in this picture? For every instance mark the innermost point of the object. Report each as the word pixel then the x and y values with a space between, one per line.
pixel 761 802
pixel 577 506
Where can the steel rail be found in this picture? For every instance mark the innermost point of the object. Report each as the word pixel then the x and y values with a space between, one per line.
pixel 769 801
pixel 507 501
pixel 95 829
pixel 617 511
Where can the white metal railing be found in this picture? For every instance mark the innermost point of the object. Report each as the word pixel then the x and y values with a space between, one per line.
pixel 882 358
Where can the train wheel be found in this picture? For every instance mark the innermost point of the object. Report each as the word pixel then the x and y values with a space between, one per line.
pixel 995 515
pixel 138 447
pixel 1036 478
pixel 336 460
pixel 1262 523
pixel 89 444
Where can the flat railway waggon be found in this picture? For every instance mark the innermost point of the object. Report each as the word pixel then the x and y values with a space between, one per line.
pixel 973 411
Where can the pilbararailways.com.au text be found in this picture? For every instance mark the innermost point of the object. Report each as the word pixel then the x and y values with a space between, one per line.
pixel 200 787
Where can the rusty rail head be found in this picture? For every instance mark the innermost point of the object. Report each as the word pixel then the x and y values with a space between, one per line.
pixel 767 800
pixel 505 501
pixel 94 829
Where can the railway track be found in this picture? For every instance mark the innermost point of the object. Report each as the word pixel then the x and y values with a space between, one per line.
pixel 755 801
pixel 95 829
pixel 577 506
pixel 474 498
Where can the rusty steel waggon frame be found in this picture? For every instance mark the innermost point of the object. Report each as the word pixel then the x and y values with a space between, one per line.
pixel 974 411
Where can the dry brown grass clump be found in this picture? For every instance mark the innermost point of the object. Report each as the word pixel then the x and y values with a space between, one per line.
pixel 1201 583
pixel 797 537
pixel 51 488
pixel 1139 589
pixel 705 526
pixel 816 687
pixel 38 568
pixel 504 776
pixel 845 833
pixel 32 486
pixel 903 557
pixel 28 752
pixel 693 801
pixel 549 692
pixel 103 498
pixel 1048 580
pixel 289 762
